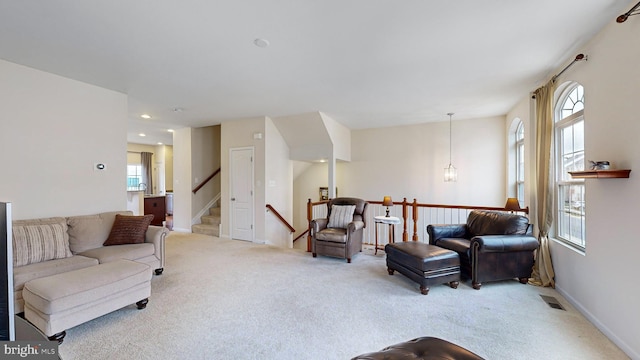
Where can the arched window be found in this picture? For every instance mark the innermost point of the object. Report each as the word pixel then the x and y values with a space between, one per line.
pixel 520 163
pixel 569 156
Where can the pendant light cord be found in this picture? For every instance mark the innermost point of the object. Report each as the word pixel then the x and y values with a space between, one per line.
pixel 450 115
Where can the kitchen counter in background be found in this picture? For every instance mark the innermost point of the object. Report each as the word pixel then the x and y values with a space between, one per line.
pixel 156 205
pixel 135 201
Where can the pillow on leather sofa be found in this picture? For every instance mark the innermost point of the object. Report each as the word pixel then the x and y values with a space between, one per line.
pixel 128 229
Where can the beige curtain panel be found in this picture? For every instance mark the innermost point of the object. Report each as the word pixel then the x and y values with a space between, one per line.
pixel 147 167
pixel 543 274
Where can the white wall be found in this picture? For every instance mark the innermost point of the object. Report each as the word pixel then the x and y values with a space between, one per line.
pixel 409 161
pixel 601 282
pixel 239 133
pixel 182 198
pixel 205 159
pixel 52 132
pixel 340 138
pixel 279 191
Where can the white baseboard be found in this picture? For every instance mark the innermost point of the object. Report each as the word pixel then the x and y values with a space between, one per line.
pixel 598 324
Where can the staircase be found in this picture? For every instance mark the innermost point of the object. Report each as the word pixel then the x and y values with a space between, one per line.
pixel 210 224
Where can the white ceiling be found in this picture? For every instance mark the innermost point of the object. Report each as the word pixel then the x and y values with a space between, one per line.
pixel 365 63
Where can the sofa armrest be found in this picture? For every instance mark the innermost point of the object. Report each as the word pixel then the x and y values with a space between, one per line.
pixel 318 224
pixel 157 235
pixel 437 232
pixel 504 243
pixel 355 226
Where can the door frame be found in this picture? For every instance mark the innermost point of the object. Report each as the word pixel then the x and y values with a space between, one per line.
pixel 231 191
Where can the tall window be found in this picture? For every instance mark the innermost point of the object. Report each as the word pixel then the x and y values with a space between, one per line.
pixel 520 163
pixel 570 199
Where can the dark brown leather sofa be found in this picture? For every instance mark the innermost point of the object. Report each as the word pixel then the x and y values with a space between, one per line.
pixel 492 246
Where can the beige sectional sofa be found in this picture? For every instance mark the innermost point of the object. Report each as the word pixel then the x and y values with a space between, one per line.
pixel 52 246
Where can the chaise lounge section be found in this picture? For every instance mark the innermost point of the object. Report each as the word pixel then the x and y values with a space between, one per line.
pixel 61 263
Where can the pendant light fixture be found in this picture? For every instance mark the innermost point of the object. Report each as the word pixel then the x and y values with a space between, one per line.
pixel 450 172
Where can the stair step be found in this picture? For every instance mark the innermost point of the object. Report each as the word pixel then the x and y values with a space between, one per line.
pixel 214 211
pixel 210 219
pixel 206 229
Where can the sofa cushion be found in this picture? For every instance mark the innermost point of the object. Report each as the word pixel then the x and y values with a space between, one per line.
pixel 341 216
pixel 128 229
pixel 39 241
pixel 90 231
pixel 481 222
pixel 57 293
pixel 107 254
pixel 332 234
pixel 22 274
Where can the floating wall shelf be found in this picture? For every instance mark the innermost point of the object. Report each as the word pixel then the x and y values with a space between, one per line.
pixel 600 174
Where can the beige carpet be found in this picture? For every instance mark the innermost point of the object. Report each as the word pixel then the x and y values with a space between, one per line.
pixel 226 299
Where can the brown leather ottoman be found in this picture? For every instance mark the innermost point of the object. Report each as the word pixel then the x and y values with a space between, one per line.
pixel 423 263
pixel 421 348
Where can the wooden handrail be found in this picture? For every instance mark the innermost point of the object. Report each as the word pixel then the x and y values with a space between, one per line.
pixel 195 190
pixel 301 235
pixel 277 214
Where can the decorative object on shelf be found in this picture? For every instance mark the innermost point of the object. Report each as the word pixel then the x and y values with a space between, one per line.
pixel 387 202
pixel 450 172
pixel 512 205
pixel 599 165
pixel 600 174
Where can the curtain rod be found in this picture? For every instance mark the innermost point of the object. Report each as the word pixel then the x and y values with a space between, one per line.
pixel 634 11
pixel 138 152
pixel 579 57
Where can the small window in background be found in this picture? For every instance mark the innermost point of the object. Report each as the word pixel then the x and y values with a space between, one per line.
pixel 134 177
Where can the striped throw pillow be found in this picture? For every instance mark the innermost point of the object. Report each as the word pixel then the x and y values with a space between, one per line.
pixel 341 216
pixel 38 243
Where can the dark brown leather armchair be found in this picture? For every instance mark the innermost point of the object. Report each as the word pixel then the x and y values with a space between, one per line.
pixel 492 246
pixel 340 233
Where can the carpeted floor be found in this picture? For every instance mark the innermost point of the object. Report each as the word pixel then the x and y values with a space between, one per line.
pixel 226 299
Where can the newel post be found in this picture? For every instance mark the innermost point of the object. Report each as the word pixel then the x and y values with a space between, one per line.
pixel 309 215
pixel 405 234
pixel 415 220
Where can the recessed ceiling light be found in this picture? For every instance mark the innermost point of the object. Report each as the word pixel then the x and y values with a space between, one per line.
pixel 262 43
pixel 170 130
pixel 142 134
pixel 178 109
pixel 145 116
pixel 159 143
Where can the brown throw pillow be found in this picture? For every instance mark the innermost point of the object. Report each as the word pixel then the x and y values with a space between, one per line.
pixel 128 229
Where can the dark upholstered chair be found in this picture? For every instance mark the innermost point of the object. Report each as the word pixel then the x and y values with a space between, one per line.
pixel 340 233
pixel 492 246
pixel 421 348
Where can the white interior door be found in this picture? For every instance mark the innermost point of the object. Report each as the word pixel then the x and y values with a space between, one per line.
pixel 241 193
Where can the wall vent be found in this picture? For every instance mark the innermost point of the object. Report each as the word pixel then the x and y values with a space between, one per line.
pixel 552 302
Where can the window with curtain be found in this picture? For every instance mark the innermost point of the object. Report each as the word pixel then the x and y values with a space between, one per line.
pixel 134 176
pixel 520 162
pixel 569 156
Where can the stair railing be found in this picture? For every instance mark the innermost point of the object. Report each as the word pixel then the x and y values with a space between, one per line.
pixel 282 220
pixel 195 189
pixel 421 216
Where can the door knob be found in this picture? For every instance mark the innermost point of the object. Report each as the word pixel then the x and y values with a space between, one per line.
pixel 233 199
